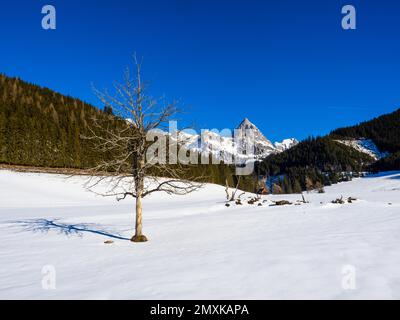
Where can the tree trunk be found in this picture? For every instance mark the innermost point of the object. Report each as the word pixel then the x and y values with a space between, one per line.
pixel 138 237
pixel 139 216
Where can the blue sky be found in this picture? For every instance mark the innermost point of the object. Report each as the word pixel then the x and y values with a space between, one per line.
pixel 286 65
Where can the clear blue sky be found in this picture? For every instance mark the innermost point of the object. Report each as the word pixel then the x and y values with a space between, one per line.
pixel 286 65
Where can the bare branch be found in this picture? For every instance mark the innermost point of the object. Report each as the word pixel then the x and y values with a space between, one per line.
pixel 122 140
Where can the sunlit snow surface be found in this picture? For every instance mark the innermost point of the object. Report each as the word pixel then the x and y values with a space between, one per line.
pixel 198 248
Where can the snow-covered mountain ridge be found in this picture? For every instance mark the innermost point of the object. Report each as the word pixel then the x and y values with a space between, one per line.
pixel 246 143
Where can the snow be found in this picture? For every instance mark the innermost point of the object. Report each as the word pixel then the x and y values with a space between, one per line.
pixel 285 144
pixel 222 145
pixel 365 146
pixel 198 248
pixel 249 145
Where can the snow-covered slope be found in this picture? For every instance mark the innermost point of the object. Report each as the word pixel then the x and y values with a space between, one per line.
pixel 248 146
pixel 366 146
pixel 198 248
pixel 285 144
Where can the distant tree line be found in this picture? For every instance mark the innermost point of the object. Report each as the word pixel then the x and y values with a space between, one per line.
pixel 391 162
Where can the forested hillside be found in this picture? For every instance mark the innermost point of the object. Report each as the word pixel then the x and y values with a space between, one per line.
pixel 321 161
pixel 311 164
pixel 384 131
pixel 40 127
pixel 391 162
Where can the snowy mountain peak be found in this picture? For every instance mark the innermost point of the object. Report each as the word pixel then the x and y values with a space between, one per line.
pixel 286 144
pixel 262 147
pixel 246 124
pixel 258 136
pixel 250 144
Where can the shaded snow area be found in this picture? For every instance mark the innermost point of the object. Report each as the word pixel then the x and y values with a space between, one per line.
pixel 198 248
pixel 365 146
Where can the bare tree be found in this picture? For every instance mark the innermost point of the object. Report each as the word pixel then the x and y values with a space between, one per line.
pixel 126 169
pixel 231 196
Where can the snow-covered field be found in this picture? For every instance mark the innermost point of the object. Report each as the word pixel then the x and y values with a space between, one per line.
pixel 198 248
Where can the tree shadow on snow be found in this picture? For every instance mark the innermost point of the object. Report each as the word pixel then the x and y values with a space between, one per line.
pixel 46 225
